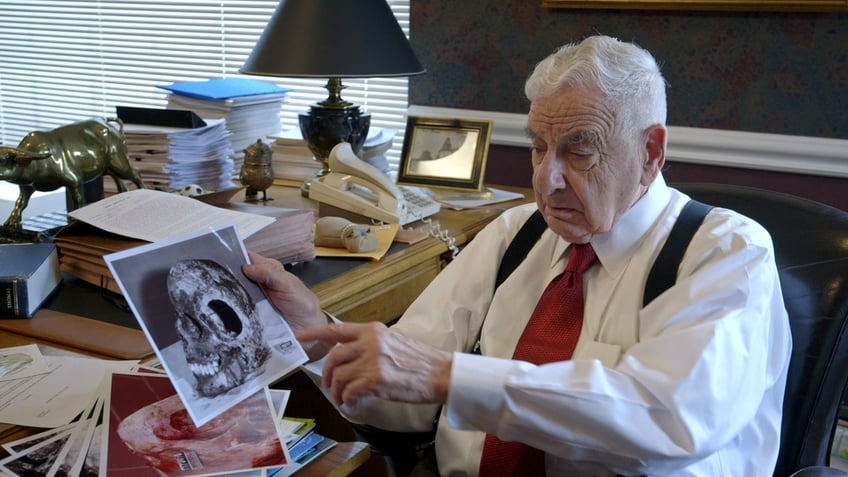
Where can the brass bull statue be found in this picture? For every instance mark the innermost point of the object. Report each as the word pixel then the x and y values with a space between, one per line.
pixel 68 156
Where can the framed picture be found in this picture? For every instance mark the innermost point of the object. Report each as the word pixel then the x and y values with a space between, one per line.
pixel 738 5
pixel 446 153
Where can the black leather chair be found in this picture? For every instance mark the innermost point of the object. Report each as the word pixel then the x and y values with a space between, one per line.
pixel 811 248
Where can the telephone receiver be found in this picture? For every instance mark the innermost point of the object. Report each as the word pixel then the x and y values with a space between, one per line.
pixel 356 186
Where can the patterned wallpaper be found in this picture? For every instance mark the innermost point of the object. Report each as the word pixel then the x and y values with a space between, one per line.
pixel 782 73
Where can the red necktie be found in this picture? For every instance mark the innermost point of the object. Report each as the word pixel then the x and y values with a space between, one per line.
pixel 550 335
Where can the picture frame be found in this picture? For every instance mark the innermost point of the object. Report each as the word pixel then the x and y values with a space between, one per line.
pixel 445 153
pixel 707 5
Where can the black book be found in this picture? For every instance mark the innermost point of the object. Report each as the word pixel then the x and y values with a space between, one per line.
pixel 29 273
pixel 175 118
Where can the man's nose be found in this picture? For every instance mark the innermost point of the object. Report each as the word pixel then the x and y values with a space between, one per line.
pixel 551 174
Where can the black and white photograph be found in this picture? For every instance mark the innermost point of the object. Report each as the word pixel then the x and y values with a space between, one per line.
pixel 38 459
pixel 213 330
pixel 444 153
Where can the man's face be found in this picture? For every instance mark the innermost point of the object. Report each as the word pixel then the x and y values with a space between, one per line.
pixel 586 171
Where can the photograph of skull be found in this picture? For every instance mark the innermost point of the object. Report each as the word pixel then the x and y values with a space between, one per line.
pixel 216 334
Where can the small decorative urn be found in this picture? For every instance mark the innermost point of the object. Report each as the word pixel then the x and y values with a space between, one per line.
pixel 257 173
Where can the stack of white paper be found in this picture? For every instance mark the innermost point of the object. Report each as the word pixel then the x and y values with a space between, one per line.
pixel 250 108
pixel 170 158
pixel 248 118
pixel 291 157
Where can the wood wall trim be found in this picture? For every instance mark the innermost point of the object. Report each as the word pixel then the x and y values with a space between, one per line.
pixel 747 150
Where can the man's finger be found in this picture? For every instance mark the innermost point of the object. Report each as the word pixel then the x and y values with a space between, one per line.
pixel 256 258
pixel 356 390
pixel 331 333
pixel 338 356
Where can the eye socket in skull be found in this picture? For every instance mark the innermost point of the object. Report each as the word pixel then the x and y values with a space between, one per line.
pixel 218 325
pixel 230 321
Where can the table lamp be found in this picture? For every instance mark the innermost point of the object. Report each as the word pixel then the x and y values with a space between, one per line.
pixel 334 39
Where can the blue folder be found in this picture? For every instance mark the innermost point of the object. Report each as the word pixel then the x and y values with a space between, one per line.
pixel 224 88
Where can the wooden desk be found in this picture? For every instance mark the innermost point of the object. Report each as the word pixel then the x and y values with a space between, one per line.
pixel 341 460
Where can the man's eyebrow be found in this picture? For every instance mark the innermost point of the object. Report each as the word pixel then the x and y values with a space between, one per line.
pixel 578 137
pixel 583 136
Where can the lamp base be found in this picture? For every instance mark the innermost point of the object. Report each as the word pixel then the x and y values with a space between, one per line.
pixel 325 127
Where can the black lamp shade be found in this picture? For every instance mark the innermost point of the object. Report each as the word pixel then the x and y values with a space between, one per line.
pixel 332 38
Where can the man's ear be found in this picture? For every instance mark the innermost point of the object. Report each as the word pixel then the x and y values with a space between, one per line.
pixel 655 142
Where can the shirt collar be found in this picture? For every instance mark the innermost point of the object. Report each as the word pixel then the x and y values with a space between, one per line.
pixel 615 247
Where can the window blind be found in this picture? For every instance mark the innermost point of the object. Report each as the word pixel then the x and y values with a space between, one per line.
pixel 65 61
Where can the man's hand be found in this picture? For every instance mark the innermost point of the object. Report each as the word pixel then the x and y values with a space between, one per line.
pixel 372 360
pixel 290 296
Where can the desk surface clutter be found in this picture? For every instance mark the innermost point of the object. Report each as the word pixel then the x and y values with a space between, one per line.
pixel 81 319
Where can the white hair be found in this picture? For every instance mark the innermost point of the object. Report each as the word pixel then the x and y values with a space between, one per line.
pixel 627 75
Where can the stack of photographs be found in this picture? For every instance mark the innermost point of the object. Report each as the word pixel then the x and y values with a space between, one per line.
pixel 137 426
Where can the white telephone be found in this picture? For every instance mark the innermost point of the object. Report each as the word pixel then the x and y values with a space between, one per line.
pixel 356 186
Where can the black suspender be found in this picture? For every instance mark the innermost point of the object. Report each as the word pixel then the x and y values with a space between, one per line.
pixel 520 246
pixel 664 272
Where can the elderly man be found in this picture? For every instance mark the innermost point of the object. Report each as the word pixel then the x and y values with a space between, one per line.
pixel 595 384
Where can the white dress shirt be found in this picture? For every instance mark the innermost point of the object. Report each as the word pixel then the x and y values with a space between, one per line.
pixel 691 385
